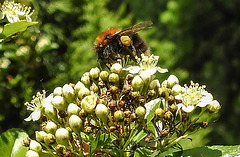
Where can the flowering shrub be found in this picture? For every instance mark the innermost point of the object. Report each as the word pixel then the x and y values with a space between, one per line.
pixel 120 112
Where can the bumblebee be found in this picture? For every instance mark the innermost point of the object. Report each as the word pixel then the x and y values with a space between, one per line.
pixel 115 44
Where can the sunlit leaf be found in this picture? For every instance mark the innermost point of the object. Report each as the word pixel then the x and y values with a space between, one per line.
pixel 11 143
pixel 13 28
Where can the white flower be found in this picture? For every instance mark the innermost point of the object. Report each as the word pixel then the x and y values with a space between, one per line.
pixel 148 63
pixel 36 105
pixel 193 96
pixel 15 11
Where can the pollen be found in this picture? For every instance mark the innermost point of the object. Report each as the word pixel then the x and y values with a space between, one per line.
pixel 125 40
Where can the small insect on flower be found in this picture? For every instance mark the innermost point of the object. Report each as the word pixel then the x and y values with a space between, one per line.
pixel 115 44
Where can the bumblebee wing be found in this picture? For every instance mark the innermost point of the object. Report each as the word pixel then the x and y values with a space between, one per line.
pixel 135 28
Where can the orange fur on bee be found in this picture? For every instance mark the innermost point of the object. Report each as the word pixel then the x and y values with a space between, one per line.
pixel 101 39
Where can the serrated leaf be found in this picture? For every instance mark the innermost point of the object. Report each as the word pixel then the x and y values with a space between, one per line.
pixel 11 143
pixel 12 28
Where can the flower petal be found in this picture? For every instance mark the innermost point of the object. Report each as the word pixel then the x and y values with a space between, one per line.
pixel 161 70
pixel 188 108
pixel 36 115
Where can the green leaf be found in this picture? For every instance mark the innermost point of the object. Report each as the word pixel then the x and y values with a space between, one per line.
pixel 151 106
pixel 142 152
pixel 213 151
pixel 12 28
pixel 100 141
pixel 11 143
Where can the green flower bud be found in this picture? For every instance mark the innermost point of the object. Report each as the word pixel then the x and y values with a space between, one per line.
pixel 118 115
pixel 31 153
pixel 113 78
pixel 51 127
pixel 159 113
pixel 78 86
pixel 40 135
pixel 140 111
pixel 176 89
pixel 172 80
pixel 49 139
pixel 73 109
pixel 116 68
pixel 35 146
pixel 94 73
pixel 154 84
pixel 88 103
pixel 102 112
pixel 86 80
pixel 50 112
pixel 83 92
pixel 62 136
pixel 137 83
pixel 94 88
pixel 58 103
pixel 76 123
pixel 104 75
pixel 57 91
pixel 68 92
pixel 214 107
pixel 164 83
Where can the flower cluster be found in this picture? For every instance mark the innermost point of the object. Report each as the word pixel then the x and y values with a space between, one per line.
pixel 118 113
pixel 15 11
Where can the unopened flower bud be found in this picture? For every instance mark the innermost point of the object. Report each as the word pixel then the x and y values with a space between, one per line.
pixel 172 80
pixel 94 73
pixel 73 109
pixel 159 113
pixel 164 83
pixel 94 88
pixel 76 123
pixel 168 116
pixel 141 111
pixel 31 153
pixel 78 86
pixel 59 148
pixel 104 75
pixel 154 84
pixel 51 127
pixel 40 135
pixel 137 83
pixel 68 92
pixel 116 68
pixel 214 107
pixel 118 115
pixel 57 91
pixel 176 89
pixel 163 92
pixel 83 92
pixel 58 103
pixel 113 78
pixel 35 146
pixel 50 112
pixel 49 139
pixel 88 103
pixel 62 136
pixel 102 112
pixel 86 81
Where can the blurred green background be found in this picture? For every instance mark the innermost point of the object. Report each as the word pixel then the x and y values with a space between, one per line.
pixel 196 40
